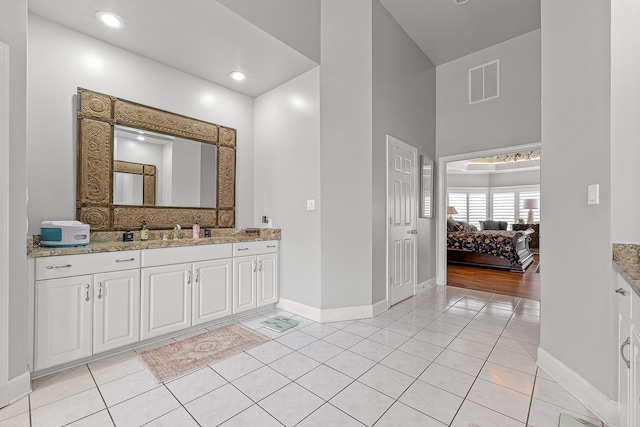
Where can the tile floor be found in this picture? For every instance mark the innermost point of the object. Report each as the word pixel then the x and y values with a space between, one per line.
pixel 447 357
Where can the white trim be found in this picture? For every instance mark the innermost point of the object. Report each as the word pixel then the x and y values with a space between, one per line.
pixel 379 307
pixel 605 408
pixel 332 314
pixel 299 309
pixel 401 144
pixel 18 387
pixel 4 224
pixel 426 285
pixel 441 205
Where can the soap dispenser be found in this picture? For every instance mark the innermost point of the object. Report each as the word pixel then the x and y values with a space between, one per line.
pixel 144 231
pixel 196 229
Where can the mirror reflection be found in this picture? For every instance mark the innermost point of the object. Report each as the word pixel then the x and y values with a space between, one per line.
pixel 153 169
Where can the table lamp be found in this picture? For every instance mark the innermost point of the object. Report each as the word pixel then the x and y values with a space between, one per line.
pixel 530 204
pixel 451 211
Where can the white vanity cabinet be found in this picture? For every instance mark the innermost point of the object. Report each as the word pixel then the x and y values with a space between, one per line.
pixel 628 353
pixel 91 303
pixel 80 314
pixel 255 275
pixel 178 294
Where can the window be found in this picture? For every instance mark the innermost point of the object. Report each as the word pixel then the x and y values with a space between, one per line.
pixel 503 206
pixel 471 205
pixel 498 203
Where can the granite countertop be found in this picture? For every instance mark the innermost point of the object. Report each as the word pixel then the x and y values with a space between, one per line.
pixel 112 241
pixel 626 258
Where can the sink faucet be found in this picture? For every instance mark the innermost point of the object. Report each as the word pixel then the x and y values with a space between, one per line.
pixel 176 232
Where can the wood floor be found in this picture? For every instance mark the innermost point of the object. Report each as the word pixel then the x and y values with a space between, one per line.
pixel 504 282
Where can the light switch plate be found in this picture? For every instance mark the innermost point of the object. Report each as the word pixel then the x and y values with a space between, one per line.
pixel 593 194
pixel 311 205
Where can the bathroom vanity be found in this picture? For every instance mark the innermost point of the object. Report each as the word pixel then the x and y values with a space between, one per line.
pixel 99 299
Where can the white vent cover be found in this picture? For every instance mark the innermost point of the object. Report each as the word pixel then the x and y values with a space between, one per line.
pixel 484 82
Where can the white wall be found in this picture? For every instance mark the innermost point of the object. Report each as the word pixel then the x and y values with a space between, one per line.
pixel 287 174
pixel 625 126
pixel 60 60
pixel 510 120
pixel 13 32
pixel 576 318
pixel 346 152
pixel 404 106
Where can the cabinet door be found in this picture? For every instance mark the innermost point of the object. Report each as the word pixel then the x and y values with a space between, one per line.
pixel 116 309
pixel 166 300
pixel 267 279
pixel 624 372
pixel 635 379
pixel 63 320
pixel 212 290
pixel 244 283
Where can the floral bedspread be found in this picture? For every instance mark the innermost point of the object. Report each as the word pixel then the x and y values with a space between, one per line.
pixel 491 242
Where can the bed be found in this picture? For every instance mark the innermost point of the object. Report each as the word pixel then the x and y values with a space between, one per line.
pixel 489 248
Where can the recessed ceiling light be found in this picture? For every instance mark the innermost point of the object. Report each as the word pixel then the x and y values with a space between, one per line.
pixel 238 75
pixel 460 2
pixel 110 19
pixel 140 138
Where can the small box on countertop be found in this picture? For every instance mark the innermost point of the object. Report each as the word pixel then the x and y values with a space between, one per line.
pixel 62 234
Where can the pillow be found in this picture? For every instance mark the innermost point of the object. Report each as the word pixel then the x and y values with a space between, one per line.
pixel 453 225
pixel 493 225
pixel 467 227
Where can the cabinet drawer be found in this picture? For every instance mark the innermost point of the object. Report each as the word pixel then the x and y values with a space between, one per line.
pixel 167 256
pixel 76 265
pixel 255 248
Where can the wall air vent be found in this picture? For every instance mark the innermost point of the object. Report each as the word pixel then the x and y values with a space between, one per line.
pixel 484 82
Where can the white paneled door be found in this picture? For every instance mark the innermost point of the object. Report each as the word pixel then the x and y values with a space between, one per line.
pixel 401 213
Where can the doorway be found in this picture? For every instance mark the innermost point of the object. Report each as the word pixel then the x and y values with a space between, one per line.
pixel 443 185
pixel 402 211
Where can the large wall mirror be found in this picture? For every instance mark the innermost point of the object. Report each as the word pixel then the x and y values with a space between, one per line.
pixel 137 163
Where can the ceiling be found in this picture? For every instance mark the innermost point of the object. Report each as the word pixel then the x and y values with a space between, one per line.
pixel 446 31
pixel 200 37
pixel 209 39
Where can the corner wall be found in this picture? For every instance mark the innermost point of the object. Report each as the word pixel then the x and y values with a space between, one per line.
pixel 625 126
pixel 576 295
pixel 13 32
pixel 346 153
pixel 287 174
pixel 404 106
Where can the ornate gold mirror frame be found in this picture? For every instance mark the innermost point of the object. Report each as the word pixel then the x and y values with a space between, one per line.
pixel 97 115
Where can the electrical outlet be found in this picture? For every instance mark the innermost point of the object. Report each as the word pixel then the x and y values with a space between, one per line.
pixel 311 205
pixel 265 219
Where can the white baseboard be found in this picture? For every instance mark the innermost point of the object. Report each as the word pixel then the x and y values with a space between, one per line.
pixel 605 408
pixel 332 314
pixel 426 285
pixel 379 307
pixel 18 387
pixel 303 310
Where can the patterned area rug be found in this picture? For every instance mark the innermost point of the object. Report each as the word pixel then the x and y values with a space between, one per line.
pixel 176 359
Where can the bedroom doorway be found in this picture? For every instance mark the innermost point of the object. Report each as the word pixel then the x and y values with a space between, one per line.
pixel 402 179
pixel 498 185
